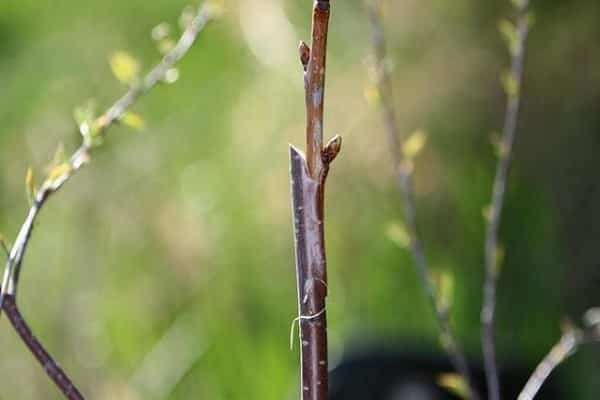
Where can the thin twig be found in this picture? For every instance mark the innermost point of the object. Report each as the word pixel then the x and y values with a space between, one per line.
pixel 52 369
pixel 314 80
pixel 488 311
pixel 81 157
pixel 568 344
pixel 404 173
pixel 308 175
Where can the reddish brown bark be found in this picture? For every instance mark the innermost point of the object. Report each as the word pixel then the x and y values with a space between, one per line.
pixel 308 188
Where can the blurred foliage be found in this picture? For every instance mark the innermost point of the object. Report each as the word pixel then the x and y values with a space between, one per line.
pixel 165 269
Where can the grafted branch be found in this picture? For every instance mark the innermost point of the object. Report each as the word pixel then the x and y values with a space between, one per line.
pixel 404 172
pixel 308 177
pixel 517 44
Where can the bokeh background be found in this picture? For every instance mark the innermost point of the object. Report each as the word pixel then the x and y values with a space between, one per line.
pixel 165 269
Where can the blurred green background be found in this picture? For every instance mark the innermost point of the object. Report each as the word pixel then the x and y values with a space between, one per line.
pixel 165 269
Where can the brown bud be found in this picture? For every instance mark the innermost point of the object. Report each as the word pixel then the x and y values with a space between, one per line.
pixel 332 149
pixel 304 51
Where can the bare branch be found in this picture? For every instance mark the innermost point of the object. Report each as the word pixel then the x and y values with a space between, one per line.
pixel 308 197
pixel 82 155
pixel 404 171
pixel 568 344
pixel 52 369
pixel 512 82
pixel 59 176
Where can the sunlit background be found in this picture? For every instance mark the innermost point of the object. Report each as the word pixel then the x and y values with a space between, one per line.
pixel 165 269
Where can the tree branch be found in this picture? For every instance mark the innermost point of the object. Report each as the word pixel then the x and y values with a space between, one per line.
pixel 91 132
pixel 517 44
pixel 308 177
pixel 52 369
pixel 404 171
pixel 568 344
pixel 100 127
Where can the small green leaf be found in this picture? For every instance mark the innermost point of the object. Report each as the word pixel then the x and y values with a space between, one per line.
pixel 396 232
pixel 165 45
pixel 510 85
pixel 58 171
pixel 133 120
pixel 171 76
pixel 500 148
pixel 455 383
pixel 84 117
pixel 510 35
pixel 187 16
pixel 93 140
pixel 216 8
pixel 161 31
pixel 444 284
pixel 414 144
pixel 124 67
pixel 486 212
pixel 30 186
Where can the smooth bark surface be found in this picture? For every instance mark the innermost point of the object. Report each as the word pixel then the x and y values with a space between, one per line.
pixel 308 175
pixel 312 277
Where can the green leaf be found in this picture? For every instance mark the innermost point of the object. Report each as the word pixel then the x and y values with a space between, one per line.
pixel 124 67
pixel 216 8
pixel 58 171
pixel 510 85
pixel 133 120
pixel 161 31
pixel 84 117
pixel 165 45
pixel 396 232
pixel 486 212
pixel 498 144
pixel 30 186
pixel 171 76
pixel 414 144
pixel 187 16
pixel 510 35
pixel 444 284
pixel 455 383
